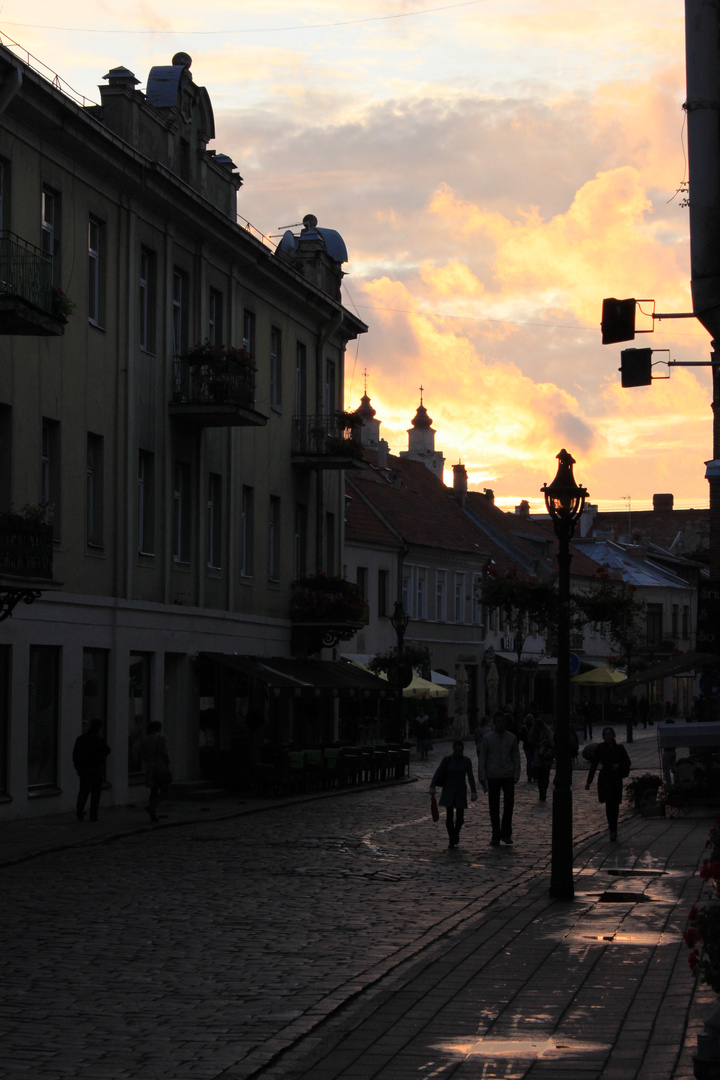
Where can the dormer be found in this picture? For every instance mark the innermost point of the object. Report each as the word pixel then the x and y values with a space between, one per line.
pixel 172 124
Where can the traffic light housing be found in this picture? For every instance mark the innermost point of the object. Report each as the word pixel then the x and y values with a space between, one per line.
pixel 618 321
pixel 636 367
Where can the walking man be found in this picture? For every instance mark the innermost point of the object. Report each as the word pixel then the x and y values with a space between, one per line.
pixel 498 772
pixel 89 755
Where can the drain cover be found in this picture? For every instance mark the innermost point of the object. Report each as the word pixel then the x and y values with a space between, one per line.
pixel 624 898
pixel 636 873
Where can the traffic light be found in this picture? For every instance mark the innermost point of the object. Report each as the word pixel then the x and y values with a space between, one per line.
pixel 618 321
pixel 636 367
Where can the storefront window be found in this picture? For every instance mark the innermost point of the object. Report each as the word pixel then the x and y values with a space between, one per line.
pixel 5 655
pixel 139 709
pixel 43 712
pixel 95 676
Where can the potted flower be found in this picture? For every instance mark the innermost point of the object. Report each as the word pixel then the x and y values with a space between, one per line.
pixel 702 937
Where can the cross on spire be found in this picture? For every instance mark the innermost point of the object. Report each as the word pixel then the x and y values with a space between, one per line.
pixel 421 394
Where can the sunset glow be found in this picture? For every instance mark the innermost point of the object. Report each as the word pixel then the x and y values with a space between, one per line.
pixel 496 169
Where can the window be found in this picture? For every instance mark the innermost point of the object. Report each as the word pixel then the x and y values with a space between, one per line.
pixel 249 331
pixel 94 490
pixel 330 554
pixel 300 540
pixel 459 607
pixel 50 230
pixel 6 456
pixel 43 715
pixel 686 622
pixel 95 271
pixel 94 687
pixel 330 389
pixel 4 195
pixel 383 591
pixel 139 715
pixel 184 160
pixel 180 312
pixel 275 367
pixel 5 658
pixel 421 593
pixel 654 623
pixel 181 512
pixel 50 470
pixel 675 621
pixel 362 581
pixel 146 312
pixel 477 607
pixel 215 318
pixel 274 539
pixel 407 592
pixel 146 503
pixel 247 531
pixel 214 520
pixel 441 595
pixel 300 379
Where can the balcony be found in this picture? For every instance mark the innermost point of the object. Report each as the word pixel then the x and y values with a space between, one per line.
pixel 214 386
pixel 28 304
pixel 325 442
pixel 325 611
pixel 26 561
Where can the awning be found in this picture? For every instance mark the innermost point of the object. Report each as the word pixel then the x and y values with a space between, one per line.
pixel 305 678
pixel 699 733
pixel 684 663
pixel 535 658
pixel 442 680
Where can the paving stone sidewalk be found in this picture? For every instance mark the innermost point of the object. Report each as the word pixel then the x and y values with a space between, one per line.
pixel 342 939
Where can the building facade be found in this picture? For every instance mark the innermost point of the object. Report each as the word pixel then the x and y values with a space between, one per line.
pixel 172 408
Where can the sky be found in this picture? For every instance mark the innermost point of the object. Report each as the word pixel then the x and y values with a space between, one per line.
pixel 496 168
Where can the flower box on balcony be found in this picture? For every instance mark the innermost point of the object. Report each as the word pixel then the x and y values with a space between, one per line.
pixel 328 601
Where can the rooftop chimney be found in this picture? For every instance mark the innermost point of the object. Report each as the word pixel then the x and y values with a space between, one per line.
pixel 663 502
pixel 523 509
pixel 460 482
pixel 489 495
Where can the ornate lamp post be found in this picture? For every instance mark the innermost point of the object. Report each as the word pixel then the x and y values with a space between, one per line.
pixel 564 500
pixel 399 622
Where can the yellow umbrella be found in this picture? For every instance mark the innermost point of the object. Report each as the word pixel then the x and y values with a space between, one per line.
pixel 422 688
pixel 600 676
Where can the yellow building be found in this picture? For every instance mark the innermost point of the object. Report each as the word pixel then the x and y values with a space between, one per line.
pixel 170 389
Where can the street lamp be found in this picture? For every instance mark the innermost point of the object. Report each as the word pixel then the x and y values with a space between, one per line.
pixel 564 500
pixel 399 621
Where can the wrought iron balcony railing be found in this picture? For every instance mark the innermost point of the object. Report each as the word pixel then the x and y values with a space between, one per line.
pixel 324 441
pixel 214 389
pixel 326 610
pixel 26 548
pixel 27 300
pixel 25 271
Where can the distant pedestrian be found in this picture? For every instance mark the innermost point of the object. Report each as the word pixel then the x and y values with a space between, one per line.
pixel 156 756
pixel 480 732
pixel 544 755
pixel 614 763
pixel 451 775
pixel 424 741
pixel 643 711
pixel 89 754
pixel 527 746
pixel 498 772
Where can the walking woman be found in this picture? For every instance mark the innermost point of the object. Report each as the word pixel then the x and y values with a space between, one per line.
pixel 450 776
pixel 157 767
pixel 612 757
pixel 543 743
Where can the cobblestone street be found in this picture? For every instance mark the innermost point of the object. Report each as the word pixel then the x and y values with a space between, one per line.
pixel 340 937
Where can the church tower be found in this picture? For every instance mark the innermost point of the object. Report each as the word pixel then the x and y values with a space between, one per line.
pixel 421 442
